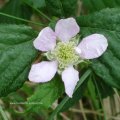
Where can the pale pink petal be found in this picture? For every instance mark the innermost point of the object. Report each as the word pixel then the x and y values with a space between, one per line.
pixel 66 29
pixel 43 72
pixel 70 77
pixel 92 46
pixel 46 40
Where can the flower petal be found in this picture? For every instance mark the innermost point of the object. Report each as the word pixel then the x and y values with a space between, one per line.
pixel 92 46
pixel 70 77
pixel 43 72
pixel 66 29
pixel 46 40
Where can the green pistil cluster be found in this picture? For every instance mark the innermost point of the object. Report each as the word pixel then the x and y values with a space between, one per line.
pixel 65 54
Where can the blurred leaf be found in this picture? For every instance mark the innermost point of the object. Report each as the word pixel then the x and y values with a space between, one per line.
pixel 69 7
pixel 104 89
pixel 54 8
pixel 92 94
pixel 45 95
pixel 105 22
pixel 37 3
pixel 96 5
pixel 16 55
pixel 17 9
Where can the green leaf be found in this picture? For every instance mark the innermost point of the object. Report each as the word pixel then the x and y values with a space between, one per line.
pixel 61 8
pixel 46 94
pixel 104 89
pixel 16 55
pixel 17 9
pixel 105 22
pixel 96 5
pixel 92 94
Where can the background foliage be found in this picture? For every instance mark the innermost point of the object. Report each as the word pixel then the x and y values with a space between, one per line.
pixel 20 22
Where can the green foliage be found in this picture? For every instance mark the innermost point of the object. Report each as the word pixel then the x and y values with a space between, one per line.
pixel 69 7
pixel 105 22
pixel 63 8
pixel 16 55
pixel 46 94
pixel 17 9
pixel 92 93
pixel 104 89
pixel 37 3
pixel 54 8
pixel 96 5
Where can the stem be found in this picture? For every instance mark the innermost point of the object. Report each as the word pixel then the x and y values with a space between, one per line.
pixel 3 114
pixel 93 95
pixel 21 19
pixel 59 107
pixel 117 94
pixel 99 97
pixel 45 16
pixel 64 116
pixel 82 109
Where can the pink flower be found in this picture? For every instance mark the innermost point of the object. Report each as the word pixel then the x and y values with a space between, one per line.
pixel 64 53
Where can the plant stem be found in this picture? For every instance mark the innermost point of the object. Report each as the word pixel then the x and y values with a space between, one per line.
pixel 99 97
pixel 3 114
pixel 21 19
pixel 117 94
pixel 82 109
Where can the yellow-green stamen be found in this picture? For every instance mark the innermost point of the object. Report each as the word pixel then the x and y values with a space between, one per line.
pixel 65 54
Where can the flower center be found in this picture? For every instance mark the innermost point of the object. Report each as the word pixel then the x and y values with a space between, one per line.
pixel 65 54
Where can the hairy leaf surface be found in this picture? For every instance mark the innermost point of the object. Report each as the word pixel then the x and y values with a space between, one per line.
pixel 106 22
pixel 16 55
